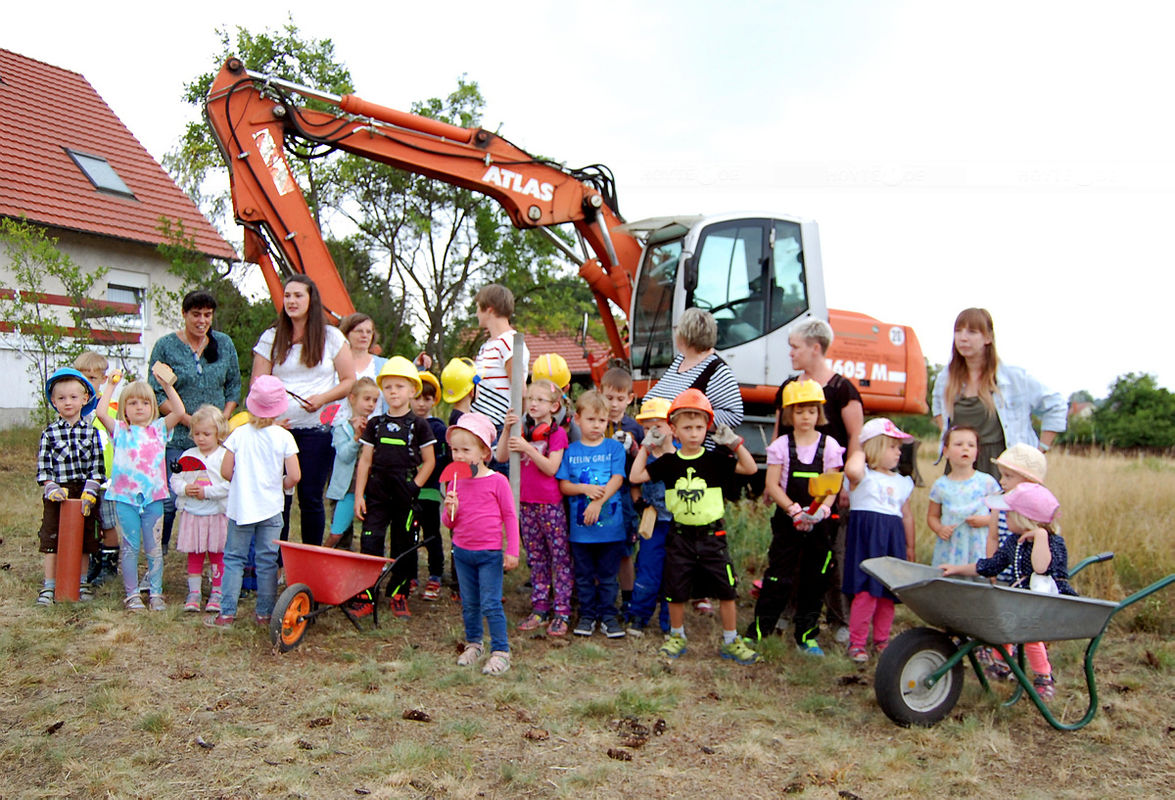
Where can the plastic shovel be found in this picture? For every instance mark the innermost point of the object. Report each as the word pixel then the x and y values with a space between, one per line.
pixel 450 474
pixel 822 486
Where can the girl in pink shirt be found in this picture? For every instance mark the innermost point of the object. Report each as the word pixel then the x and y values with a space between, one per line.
pixel 480 513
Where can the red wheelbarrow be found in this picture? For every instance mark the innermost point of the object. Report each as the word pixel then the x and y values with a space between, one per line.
pixel 321 578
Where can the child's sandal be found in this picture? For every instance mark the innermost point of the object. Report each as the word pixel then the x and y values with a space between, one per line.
pixel 499 662
pixel 45 597
pixel 470 655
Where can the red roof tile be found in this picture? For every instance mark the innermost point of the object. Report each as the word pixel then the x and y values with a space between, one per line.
pixel 46 109
pixel 564 344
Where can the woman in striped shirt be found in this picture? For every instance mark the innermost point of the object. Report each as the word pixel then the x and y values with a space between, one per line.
pixel 698 366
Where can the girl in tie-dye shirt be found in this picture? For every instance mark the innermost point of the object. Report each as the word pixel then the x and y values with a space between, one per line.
pixel 138 478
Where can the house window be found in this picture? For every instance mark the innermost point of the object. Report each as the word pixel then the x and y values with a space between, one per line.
pixel 126 294
pixel 100 173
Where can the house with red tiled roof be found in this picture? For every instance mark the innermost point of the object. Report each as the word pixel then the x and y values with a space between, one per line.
pixel 572 350
pixel 69 165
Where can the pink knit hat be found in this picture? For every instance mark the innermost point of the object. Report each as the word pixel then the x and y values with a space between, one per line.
pixel 479 425
pixel 267 397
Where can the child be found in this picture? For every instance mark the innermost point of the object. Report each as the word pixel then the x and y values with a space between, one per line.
pixel 93 365
pixel 480 512
pixel 881 524
pixel 543 520
pixel 800 557
pixel 201 497
pixel 616 386
pixel 430 493
pixel 650 560
pixel 458 379
pixel 69 464
pixel 1037 556
pixel 495 360
pixel 261 463
pixel 345 433
pixel 591 474
pixel 138 480
pixel 957 514
pixel 696 556
pixel 397 459
pixel 553 367
pixel 1017 464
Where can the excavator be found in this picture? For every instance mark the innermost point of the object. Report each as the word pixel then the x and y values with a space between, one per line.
pixel 757 274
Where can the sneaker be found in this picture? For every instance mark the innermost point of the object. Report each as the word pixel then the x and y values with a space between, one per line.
pixel 703 607
pixel 879 647
pixel 86 592
pixel 134 602
pixel 612 628
pixel 399 605
pixel 156 603
pixel 192 602
pixel 810 648
pixel 858 655
pixel 557 626
pixel 533 622
pixel 432 590
pixel 673 647
pixel 740 652
pixel 636 628
pixel 45 597
pixel 361 609
pixel 1045 686
pixel 213 603
pixel 997 670
pixel 585 627
pixel 219 621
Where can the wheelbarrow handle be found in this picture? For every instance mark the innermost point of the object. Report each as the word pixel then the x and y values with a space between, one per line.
pixel 1085 562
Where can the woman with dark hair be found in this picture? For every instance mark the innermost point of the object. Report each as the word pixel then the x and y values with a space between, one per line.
pixel 206 373
pixel 315 365
pixel 976 390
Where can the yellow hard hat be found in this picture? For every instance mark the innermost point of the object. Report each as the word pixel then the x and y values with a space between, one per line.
pixel 552 367
pixel 653 408
pixel 399 367
pixel 457 379
pixel 802 392
pixel 428 377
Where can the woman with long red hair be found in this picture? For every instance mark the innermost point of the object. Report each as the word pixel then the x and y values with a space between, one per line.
pixel 976 390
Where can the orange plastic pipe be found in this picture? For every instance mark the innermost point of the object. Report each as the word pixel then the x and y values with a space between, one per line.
pixel 69 551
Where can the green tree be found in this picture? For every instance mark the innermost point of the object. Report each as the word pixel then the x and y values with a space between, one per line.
pixel 1137 413
pixel 40 334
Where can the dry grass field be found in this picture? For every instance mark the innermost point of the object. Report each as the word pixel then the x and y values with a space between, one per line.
pixel 97 702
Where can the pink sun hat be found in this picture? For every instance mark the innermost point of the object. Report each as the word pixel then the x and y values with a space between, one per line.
pixel 267 397
pixel 881 427
pixel 479 425
pixel 1031 500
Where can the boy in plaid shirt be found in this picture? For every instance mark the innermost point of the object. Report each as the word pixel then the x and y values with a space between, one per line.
pixel 69 464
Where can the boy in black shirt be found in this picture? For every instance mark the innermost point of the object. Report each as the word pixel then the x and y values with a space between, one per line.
pixel 696 556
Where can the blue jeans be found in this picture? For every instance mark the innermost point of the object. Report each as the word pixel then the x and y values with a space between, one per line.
pixel 170 454
pixel 646 590
pixel 140 529
pixel 597 565
pixel 316 457
pixel 479 573
pixel 263 537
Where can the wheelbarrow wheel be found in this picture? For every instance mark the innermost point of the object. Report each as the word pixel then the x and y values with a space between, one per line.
pixel 901 673
pixel 287 626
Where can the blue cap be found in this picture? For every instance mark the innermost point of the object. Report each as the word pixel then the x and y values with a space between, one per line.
pixel 70 372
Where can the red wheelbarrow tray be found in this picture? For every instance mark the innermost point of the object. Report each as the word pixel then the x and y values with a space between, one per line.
pixel 333 576
pixel 975 608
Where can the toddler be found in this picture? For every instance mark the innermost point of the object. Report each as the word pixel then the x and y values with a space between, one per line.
pixel 345 433
pixel 201 497
pixel 957 514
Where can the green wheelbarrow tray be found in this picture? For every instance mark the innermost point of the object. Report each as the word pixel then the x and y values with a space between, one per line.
pixel 919 676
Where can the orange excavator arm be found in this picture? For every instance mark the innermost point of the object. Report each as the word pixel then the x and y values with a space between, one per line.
pixel 253 115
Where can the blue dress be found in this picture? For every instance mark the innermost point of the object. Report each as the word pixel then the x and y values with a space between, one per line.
pixel 875 529
pixel 959 500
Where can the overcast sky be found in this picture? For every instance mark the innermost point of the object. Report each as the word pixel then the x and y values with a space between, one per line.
pixel 1010 155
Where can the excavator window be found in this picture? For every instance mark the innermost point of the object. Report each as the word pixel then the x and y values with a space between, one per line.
pixel 652 341
pixel 733 279
pixel 789 293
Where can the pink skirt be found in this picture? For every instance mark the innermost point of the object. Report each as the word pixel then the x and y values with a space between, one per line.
pixel 202 534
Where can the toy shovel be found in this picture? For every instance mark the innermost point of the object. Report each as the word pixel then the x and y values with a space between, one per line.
pixel 822 486
pixel 328 413
pixel 191 464
pixel 450 474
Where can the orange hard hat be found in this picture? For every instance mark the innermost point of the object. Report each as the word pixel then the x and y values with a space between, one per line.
pixel 692 400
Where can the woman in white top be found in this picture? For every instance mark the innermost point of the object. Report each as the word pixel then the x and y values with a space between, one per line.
pixel 315 365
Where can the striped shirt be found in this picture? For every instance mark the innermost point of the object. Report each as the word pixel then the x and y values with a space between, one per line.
pixel 493 390
pixel 721 390
pixel 69 453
